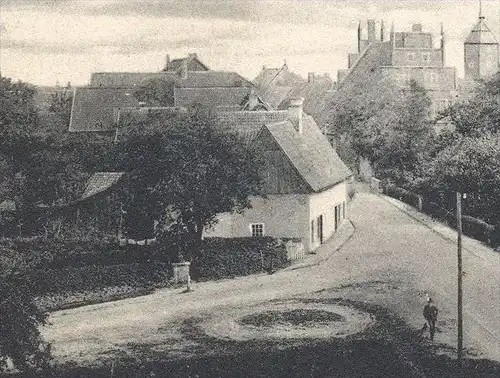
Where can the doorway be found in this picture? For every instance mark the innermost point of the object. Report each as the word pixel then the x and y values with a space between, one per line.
pixel 320 229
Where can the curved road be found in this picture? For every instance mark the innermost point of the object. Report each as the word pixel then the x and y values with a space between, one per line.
pixel 391 260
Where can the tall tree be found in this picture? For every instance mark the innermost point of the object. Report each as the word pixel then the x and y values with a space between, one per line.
pixel 480 112
pixel 156 92
pixel 385 124
pixel 185 170
pixel 18 119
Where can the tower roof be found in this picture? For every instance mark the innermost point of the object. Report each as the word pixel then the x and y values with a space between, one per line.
pixel 481 34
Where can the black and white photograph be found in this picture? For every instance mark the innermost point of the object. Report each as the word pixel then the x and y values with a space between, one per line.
pixel 249 188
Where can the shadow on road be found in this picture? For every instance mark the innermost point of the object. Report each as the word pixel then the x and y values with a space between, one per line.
pixel 389 348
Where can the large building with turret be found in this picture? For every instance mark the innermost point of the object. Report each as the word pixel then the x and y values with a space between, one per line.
pixel 399 57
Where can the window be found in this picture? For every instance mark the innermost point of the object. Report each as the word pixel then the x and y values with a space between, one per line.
pixel 426 57
pixel 411 56
pixel 257 229
pixel 433 78
pixel 343 210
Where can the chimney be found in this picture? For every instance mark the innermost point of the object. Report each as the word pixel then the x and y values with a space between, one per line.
pixel 310 77
pixel 295 113
pixel 416 28
pixel 192 55
pixel 371 30
pixel 359 36
pixel 167 61
pixel 252 99
pixel 183 70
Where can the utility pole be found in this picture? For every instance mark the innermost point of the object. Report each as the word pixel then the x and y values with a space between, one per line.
pixel 459 277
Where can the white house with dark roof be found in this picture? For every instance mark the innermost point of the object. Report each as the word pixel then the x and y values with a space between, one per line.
pixel 303 179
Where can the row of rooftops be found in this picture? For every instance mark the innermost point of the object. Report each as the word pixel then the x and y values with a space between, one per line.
pixel 109 102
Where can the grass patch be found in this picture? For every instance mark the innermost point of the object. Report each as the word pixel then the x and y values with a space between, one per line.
pixel 298 317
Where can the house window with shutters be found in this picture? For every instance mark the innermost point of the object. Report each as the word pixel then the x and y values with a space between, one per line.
pixel 257 229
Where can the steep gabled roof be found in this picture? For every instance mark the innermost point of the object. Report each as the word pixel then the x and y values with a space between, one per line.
pixel 194 79
pixel 176 64
pixel 227 97
pixel 310 153
pixel 275 95
pixel 481 34
pixel 95 109
pixel 247 124
pixel 281 76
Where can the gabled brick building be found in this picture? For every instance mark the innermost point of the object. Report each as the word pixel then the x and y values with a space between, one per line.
pixel 403 56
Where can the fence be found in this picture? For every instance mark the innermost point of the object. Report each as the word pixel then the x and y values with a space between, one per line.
pixel 473 227
pixel 294 250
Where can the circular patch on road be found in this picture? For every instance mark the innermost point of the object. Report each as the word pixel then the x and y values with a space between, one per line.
pixel 287 320
pixel 297 317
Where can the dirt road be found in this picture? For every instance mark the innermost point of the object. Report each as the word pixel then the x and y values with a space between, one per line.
pixel 391 260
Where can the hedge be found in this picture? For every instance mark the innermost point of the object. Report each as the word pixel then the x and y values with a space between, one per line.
pixel 473 227
pixel 226 258
pixel 57 253
pixel 401 194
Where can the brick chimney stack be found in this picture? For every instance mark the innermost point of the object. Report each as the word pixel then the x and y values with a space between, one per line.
pixel 295 111
pixel 183 70
pixel 167 61
pixel 371 31
pixel 253 101
pixel 310 77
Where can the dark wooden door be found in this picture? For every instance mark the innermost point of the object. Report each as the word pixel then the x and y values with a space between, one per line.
pixel 320 229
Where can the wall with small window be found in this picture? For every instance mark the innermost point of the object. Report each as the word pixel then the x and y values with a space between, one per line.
pixel 312 218
pixel 327 210
pixel 280 216
pixel 431 78
pixel 417 57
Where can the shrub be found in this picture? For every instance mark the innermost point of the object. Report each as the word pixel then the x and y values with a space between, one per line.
pixel 402 194
pixel 223 258
pixel 20 340
pixel 477 228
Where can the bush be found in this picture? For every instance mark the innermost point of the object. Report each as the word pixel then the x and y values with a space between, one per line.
pixel 224 258
pixel 98 277
pixel 20 340
pixel 56 253
pixel 477 229
pixel 401 194
pixel 77 268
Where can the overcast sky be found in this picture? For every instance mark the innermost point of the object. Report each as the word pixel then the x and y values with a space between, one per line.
pixel 44 41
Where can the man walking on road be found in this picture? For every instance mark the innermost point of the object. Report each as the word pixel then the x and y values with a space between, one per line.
pixel 430 315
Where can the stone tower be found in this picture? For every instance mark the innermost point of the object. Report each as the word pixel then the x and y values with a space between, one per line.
pixel 481 51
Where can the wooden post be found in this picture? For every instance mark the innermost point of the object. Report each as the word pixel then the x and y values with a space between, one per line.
pixel 459 281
